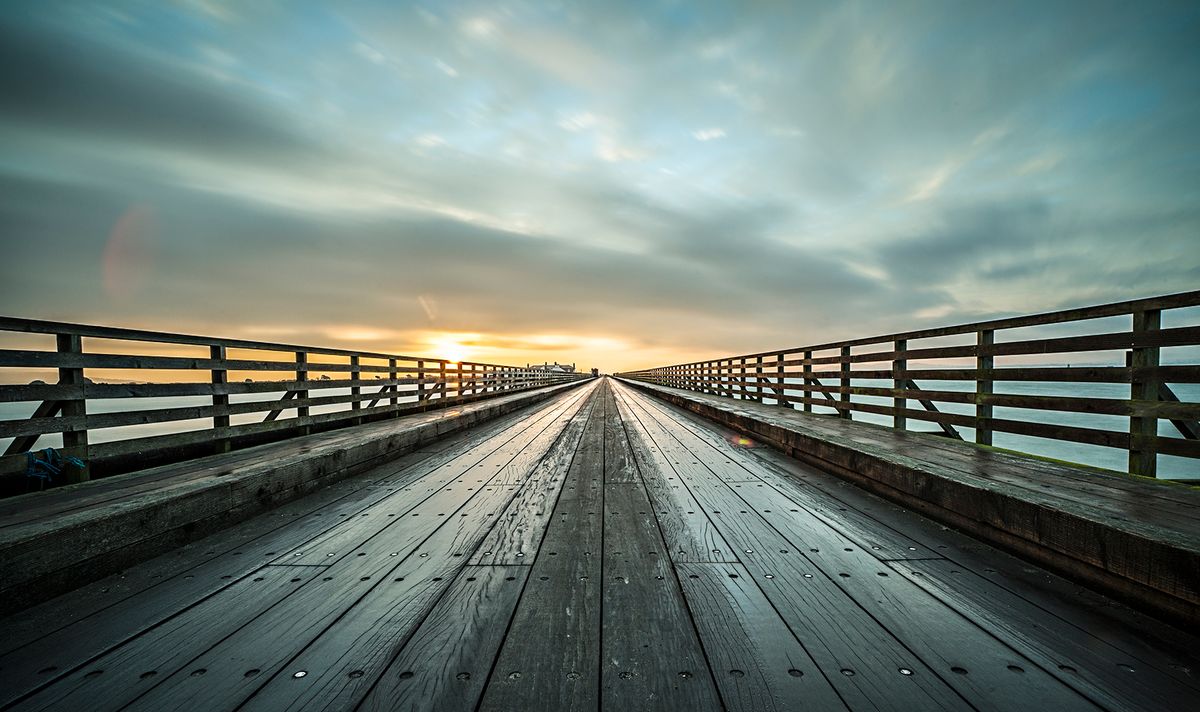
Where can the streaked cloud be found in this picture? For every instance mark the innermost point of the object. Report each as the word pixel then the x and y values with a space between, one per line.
pixel 636 181
pixel 708 134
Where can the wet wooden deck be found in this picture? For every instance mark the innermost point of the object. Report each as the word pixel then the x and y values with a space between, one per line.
pixel 601 550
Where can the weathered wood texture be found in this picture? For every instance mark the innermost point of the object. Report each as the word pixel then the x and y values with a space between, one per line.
pixel 1134 538
pixel 531 564
pixel 793 382
pixel 60 539
pixel 365 386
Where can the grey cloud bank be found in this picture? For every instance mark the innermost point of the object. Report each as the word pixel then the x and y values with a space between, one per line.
pixel 692 177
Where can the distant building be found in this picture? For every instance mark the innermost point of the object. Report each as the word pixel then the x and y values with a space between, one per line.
pixel 555 367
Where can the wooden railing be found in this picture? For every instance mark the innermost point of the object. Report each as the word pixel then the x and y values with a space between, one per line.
pixel 293 390
pixel 1148 344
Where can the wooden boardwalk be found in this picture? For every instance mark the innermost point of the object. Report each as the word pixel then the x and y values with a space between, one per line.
pixel 600 550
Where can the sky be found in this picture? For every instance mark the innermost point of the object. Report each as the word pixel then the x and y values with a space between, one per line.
pixel 617 184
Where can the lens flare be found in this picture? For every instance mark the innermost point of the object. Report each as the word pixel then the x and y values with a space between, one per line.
pixel 128 258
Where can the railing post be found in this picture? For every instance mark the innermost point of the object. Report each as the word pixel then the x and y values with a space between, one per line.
pixel 808 394
pixel 844 411
pixel 442 380
pixel 899 378
pixel 75 442
pixel 420 382
pixel 220 401
pixel 301 391
pixel 781 394
pixel 395 384
pixel 356 389
pixel 758 374
pixel 1144 386
pixel 984 362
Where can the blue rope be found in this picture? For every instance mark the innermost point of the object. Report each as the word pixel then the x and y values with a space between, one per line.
pixel 49 466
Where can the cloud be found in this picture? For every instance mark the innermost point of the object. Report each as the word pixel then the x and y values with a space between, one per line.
pixel 579 122
pixel 861 172
pixel 76 86
pixel 429 140
pixel 708 134
pixel 369 53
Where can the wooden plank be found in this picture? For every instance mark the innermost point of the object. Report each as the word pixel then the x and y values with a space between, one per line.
pixel 1085 490
pixel 290 400
pixel 518 470
pixel 648 636
pixel 520 528
pixel 1114 678
pixel 165 443
pixel 1055 374
pixel 433 496
pixel 757 663
pixel 1169 650
pixel 550 658
pixel 58 502
pixel 445 664
pixel 689 533
pixel 1189 429
pixel 38 392
pixel 117 678
pixel 345 660
pixel 360 593
pixel 861 659
pixel 619 464
pixel 125 605
pixel 984 462
pixel 46 410
pixel 942 637
pixel 895 606
pixel 780 473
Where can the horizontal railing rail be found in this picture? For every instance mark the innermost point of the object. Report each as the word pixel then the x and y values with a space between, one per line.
pixel 880 378
pixel 64 389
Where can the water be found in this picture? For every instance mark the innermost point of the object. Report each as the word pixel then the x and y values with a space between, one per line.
pixel 1109 458
pixel 17 411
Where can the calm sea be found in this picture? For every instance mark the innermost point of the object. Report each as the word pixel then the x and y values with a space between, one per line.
pixel 1174 467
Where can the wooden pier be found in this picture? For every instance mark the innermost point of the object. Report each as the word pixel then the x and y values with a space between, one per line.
pixel 347 530
pixel 598 550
